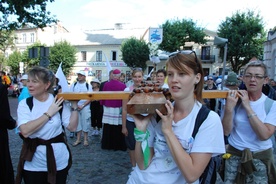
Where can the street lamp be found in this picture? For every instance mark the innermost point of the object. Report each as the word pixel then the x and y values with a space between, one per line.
pixel 222 42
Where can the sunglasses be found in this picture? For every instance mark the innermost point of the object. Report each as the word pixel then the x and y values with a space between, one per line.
pixel 185 52
pixel 137 69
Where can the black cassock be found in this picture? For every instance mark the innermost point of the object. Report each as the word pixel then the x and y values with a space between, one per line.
pixel 6 122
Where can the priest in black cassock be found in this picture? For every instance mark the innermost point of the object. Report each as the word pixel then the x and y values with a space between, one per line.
pixel 6 122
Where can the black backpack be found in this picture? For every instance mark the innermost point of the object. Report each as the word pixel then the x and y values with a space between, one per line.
pixel 209 176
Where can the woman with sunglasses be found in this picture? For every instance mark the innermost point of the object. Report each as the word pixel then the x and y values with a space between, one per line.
pixel 250 126
pixel 167 153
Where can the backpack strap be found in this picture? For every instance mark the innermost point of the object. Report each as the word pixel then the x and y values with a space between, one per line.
pixel 200 118
pixel 74 86
pixel 268 104
pixel 87 86
pixel 210 172
pixel 30 103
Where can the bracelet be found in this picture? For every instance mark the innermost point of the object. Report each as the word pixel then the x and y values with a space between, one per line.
pixel 74 109
pixel 251 115
pixel 48 115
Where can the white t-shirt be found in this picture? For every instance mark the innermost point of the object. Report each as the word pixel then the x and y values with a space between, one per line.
pixel 50 130
pixel 165 85
pixel 129 117
pixel 163 169
pixel 79 88
pixel 242 135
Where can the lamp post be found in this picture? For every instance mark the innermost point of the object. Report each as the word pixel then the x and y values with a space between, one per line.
pixel 222 42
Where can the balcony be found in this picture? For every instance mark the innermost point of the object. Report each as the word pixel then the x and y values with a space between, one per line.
pixel 207 58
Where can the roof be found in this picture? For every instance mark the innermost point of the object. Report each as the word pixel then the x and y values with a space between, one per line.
pixel 102 37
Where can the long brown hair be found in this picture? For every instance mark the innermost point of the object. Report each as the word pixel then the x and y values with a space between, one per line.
pixel 183 59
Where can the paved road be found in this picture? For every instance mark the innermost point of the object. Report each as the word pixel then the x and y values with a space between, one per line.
pixel 90 164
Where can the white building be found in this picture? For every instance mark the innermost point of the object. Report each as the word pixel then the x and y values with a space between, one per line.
pixel 95 47
pixel 270 53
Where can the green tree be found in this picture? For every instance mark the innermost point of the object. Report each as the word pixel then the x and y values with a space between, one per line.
pixel 245 34
pixel 7 39
pixel 177 32
pixel 13 61
pixel 135 53
pixel 63 52
pixel 17 13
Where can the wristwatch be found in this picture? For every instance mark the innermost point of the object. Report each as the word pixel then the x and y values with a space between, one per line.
pixel 74 109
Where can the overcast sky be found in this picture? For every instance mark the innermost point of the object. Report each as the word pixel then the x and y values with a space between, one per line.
pixel 100 14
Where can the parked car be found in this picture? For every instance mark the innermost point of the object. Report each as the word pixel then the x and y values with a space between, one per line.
pixel 13 90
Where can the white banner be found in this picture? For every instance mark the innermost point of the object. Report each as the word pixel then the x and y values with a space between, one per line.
pixel 62 79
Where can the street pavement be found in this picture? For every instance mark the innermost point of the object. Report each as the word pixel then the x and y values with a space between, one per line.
pixel 91 164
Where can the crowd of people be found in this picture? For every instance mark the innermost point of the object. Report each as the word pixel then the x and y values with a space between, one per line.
pixel 162 147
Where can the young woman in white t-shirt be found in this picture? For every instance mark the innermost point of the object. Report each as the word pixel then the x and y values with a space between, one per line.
pixel 127 120
pixel 167 153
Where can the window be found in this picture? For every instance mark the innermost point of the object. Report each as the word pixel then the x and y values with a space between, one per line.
pixel 24 38
pixel 205 53
pixel 32 37
pixel 83 55
pixel 99 56
pixel 114 55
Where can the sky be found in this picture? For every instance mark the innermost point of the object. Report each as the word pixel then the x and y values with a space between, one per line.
pixel 103 14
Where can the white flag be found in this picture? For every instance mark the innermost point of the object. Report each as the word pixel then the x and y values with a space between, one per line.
pixel 150 72
pixel 62 79
pixel 108 66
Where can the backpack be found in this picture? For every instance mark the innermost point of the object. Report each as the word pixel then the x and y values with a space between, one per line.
pixel 209 176
pixel 85 84
pixel 30 104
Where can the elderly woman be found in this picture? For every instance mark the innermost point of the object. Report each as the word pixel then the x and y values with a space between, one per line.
pixel 250 128
pixel 45 156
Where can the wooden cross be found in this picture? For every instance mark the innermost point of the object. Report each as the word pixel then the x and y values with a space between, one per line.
pixel 117 95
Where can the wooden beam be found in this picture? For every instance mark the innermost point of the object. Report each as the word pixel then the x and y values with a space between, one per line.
pixel 103 95
pixel 116 95
pixel 214 94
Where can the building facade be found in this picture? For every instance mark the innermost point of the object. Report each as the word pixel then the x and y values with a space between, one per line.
pixel 270 53
pixel 97 47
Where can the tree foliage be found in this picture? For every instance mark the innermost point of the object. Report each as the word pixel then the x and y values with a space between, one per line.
pixel 177 32
pixel 17 13
pixel 63 52
pixel 245 34
pixel 135 53
pixel 7 39
pixel 13 61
